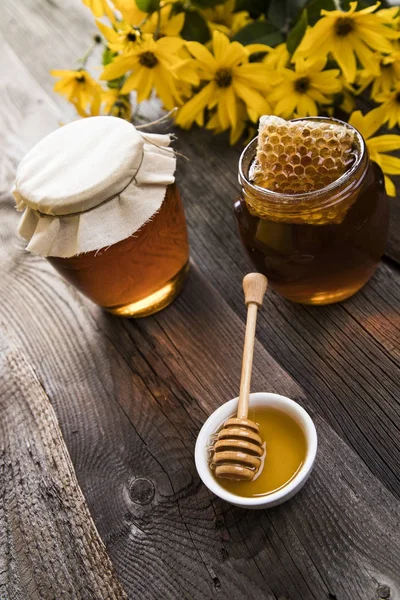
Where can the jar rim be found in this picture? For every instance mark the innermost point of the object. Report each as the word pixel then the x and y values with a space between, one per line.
pixel 295 198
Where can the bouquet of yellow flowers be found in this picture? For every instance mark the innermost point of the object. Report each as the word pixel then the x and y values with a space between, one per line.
pixel 223 64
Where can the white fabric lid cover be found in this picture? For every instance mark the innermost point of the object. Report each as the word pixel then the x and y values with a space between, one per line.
pixel 91 184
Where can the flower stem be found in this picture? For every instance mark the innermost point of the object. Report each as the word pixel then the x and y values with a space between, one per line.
pixel 157 31
pixel 83 59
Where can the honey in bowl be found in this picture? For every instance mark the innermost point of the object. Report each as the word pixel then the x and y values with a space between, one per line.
pixel 286 449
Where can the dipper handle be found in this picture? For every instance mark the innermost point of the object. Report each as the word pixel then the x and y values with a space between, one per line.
pixel 254 286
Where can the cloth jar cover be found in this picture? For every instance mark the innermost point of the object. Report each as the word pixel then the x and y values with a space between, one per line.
pixel 91 184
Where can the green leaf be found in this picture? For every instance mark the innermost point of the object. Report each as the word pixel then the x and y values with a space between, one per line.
pixel 148 6
pixel 108 56
pixel 277 12
pixel 254 7
pixel 195 27
pixel 297 32
pixel 116 83
pixel 314 8
pixel 259 32
pixel 293 7
pixel 176 8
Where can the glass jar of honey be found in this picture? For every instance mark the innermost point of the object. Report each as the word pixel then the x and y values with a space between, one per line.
pixel 100 203
pixel 320 246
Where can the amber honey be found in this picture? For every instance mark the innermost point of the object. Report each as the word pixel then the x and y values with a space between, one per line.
pixel 286 449
pixel 321 246
pixel 141 274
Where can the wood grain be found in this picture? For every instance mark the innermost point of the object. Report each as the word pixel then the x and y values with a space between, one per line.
pixel 131 396
pixel 50 546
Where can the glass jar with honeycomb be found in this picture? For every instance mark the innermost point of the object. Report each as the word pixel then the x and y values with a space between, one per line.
pixel 100 202
pixel 313 214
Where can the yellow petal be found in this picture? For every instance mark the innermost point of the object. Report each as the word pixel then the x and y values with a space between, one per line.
pixel 385 143
pixel 119 67
pixel 188 113
pixel 169 45
pixel 254 75
pixel 316 38
pixel 390 187
pixel 286 106
pixel 109 33
pixel 220 45
pixel 166 88
pixel 252 98
pixel 203 55
pixel 306 106
pixel 343 54
pixel 318 96
pixel 255 48
pixel 231 106
pixel 62 73
pixel 375 39
pixel 390 164
pixel 368 9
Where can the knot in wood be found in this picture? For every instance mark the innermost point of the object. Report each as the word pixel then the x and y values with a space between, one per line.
pixel 141 491
pixel 384 592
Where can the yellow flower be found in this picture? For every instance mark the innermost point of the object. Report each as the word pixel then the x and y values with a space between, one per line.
pixel 384 74
pixel 116 105
pixel 348 36
pixel 303 89
pixel 163 23
pixel 277 58
pixel 153 64
pixel 224 18
pixel 123 39
pixel 391 106
pixel 80 89
pixel 231 83
pixel 99 8
pixel 377 146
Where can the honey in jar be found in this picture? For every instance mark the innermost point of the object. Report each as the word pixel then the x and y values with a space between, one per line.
pixel 285 453
pixel 316 232
pixel 141 274
pixel 101 204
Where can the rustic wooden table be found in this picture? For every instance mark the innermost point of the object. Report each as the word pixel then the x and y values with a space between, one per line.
pixel 131 396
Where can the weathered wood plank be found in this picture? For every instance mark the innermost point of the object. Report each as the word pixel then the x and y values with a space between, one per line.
pixel 47 34
pixel 131 420
pixel 50 547
pixel 120 389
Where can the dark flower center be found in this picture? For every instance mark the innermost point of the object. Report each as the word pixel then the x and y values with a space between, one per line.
pixel 397 97
pixel 80 78
pixel 344 26
pixel 223 77
pixel 131 37
pixel 302 84
pixel 148 59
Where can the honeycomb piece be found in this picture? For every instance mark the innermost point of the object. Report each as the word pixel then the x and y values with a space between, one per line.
pixel 294 157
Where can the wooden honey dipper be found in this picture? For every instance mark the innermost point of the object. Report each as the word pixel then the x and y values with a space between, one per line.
pixel 238 450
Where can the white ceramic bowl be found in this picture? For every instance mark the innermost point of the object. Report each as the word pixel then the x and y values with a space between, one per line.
pixel 227 410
